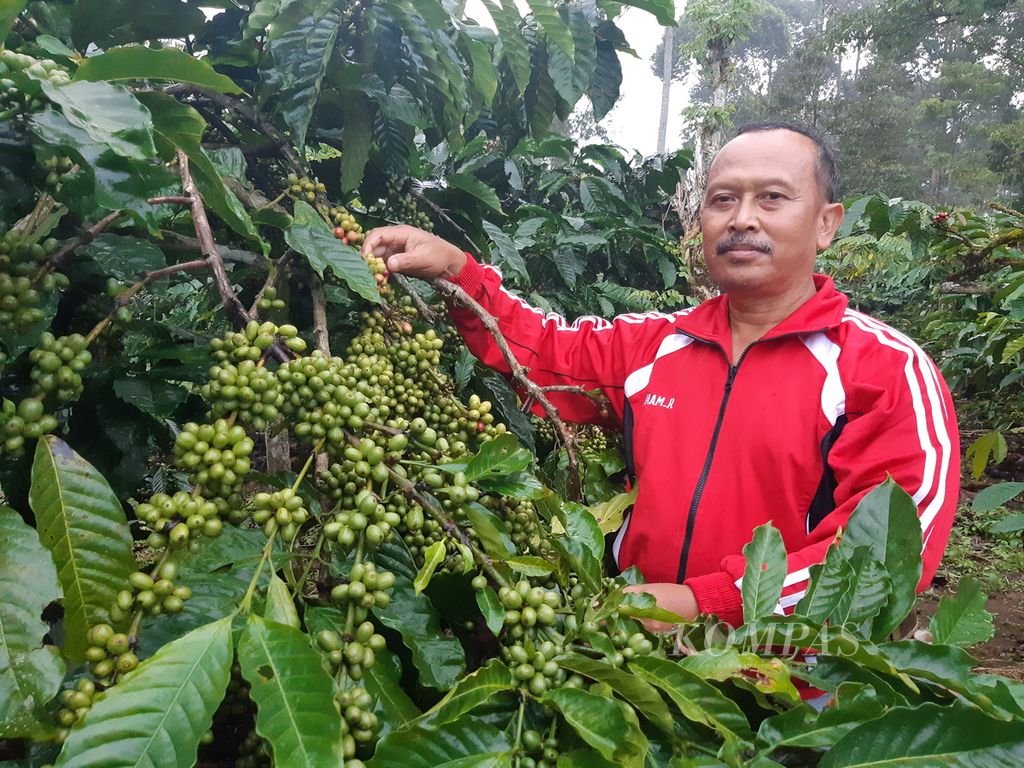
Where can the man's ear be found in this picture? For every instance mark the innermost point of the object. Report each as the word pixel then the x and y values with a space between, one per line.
pixel 828 224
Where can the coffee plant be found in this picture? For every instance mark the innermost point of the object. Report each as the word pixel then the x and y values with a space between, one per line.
pixel 262 508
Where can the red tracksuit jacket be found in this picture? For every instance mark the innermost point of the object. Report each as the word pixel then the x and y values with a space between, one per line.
pixel 814 415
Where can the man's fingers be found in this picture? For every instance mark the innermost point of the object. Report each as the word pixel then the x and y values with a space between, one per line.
pixel 417 262
pixel 385 241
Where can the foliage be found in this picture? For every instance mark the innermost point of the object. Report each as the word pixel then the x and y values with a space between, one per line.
pixel 244 551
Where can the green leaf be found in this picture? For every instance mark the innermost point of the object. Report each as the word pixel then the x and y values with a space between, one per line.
pixel 849 588
pixel 886 522
pixel 805 727
pixel 280 607
pixel 81 522
pixel 569 265
pixel 508 406
pixel 157 714
pixel 394 708
pixel 30 672
pixel 962 619
pixel 485 75
pixel 501 456
pixel 136 62
pixel 521 485
pixel 439 659
pixel 632 688
pixel 530 565
pixel 433 557
pixel 293 694
pixel 490 529
pixel 771 675
pixel 125 258
pixel 996 496
pixel 471 691
pixel 476 188
pixel 698 700
pixel 357 138
pixel 555 28
pixel 508 254
pixel 160 399
pixel 180 126
pixel 1010 524
pixel 466 743
pixel 514 49
pixel 490 608
pixel 604 85
pixel 311 236
pixel 762 584
pixel 9 10
pixel 663 10
pixel 301 45
pixel 109 114
pixel 990 447
pixel 611 513
pixel 930 735
pixel 607 725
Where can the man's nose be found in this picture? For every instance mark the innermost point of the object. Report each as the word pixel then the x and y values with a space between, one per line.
pixel 744 216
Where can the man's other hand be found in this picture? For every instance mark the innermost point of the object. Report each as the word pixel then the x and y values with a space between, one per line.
pixel 414 252
pixel 677 598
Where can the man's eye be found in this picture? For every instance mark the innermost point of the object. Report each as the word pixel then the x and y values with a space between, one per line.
pixel 773 196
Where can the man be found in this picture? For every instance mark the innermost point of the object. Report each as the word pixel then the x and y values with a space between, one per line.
pixel 772 402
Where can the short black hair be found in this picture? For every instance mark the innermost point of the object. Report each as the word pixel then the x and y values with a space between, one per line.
pixel 828 174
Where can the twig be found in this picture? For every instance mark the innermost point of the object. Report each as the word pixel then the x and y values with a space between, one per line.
pixel 249 258
pixel 170 200
pixel 320 337
pixel 447 220
pixel 83 239
pixel 519 373
pixel 421 306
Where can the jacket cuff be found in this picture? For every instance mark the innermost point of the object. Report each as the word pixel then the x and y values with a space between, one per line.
pixel 470 277
pixel 717 594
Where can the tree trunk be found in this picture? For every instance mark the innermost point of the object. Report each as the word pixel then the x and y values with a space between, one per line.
pixel 666 87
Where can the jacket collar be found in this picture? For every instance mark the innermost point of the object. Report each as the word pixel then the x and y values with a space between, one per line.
pixel 710 320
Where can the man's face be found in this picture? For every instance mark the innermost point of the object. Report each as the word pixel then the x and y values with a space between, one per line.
pixel 765 215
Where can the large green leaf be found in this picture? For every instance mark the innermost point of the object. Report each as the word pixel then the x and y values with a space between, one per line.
pixel 81 522
pixel 311 236
pixel 491 530
pixel 930 735
pixel 849 588
pixel 554 26
pixel 508 255
pixel 30 673
pixel 768 675
pixel 605 82
pixel 608 725
pixel 301 45
pixel 995 496
pixel 383 681
pixel 886 522
pixel 698 700
pixel 501 456
pixel 632 688
pixel 124 257
pixel 157 397
pixel 180 126
pixel 514 49
pixel 110 114
pixel 663 10
pixel 478 189
pixel 357 138
pixel 9 10
pixel 765 572
pixel 157 714
pixel 465 743
pixel 470 692
pixel 585 45
pixel 962 619
pixel 805 727
pixel 280 607
pixel 136 62
pixel 293 694
pixel 439 659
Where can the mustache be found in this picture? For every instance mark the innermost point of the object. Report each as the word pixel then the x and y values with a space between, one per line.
pixel 740 241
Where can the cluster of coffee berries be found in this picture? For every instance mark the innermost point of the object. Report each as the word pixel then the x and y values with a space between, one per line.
pixel 110 653
pixel 346 228
pixel 403 206
pixel 250 390
pixel 940 218
pixel 304 189
pixel 57 366
pixel 177 520
pixel 252 343
pixel 357 655
pixel 20 259
pixel 523 523
pixel 269 301
pixel 151 595
pixel 21 255
pixel 540 752
pixel 533 666
pixel 369 517
pixel 56 168
pixel 359 725
pixel 26 420
pixel 544 433
pixel 14 97
pixel 75 704
pixel 283 511
pixel 216 455
pixel 527 606
pixel 366 588
pixel 317 401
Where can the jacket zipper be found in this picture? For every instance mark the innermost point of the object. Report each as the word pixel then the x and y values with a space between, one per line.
pixel 698 491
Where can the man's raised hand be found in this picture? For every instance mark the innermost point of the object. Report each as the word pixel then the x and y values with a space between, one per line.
pixel 414 252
